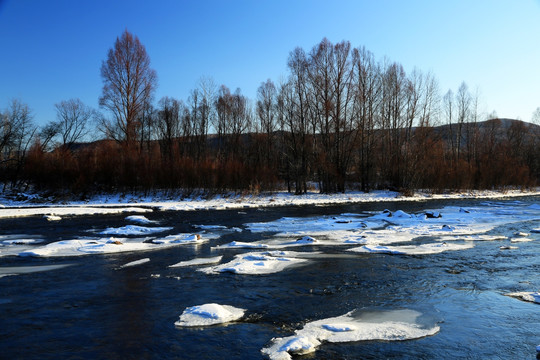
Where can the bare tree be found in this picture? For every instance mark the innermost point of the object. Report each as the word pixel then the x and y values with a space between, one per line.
pixel 128 85
pixel 16 136
pixel 168 124
pixel 73 117
pixel 266 112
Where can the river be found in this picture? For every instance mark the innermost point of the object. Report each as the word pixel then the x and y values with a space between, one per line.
pixel 91 309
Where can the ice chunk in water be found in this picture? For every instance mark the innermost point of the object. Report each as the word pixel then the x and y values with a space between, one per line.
pixel 135 263
pixel 209 314
pixel 134 230
pixel 384 325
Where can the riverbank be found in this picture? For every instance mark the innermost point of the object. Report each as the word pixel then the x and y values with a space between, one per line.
pixel 35 205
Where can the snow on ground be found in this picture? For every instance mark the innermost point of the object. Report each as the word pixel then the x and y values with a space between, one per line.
pixel 198 261
pixel 258 263
pixel 11 212
pixel 423 249
pixel 389 325
pixel 135 263
pixel 119 203
pixel 526 296
pixel 209 314
pixel 18 270
pixel 134 230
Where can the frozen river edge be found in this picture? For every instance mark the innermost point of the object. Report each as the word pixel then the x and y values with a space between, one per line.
pixel 113 204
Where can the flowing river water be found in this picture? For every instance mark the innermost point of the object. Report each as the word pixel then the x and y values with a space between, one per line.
pixel 91 309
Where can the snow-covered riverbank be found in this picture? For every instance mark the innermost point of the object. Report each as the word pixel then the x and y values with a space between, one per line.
pixel 109 204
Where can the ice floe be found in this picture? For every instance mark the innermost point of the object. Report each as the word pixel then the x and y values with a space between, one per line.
pixel 52 217
pixel 209 314
pixel 389 325
pixel 526 296
pixel 242 245
pixel 520 239
pixel 18 270
pixel 475 237
pixel 423 249
pixel 134 230
pixel 180 239
pixel 135 263
pixel 258 263
pixel 111 245
pixel 140 219
pixel 198 261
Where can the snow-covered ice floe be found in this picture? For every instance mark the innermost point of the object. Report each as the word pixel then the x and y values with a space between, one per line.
pixel 389 325
pixel 258 263
pixel 135 263
pixel 384 228
pixel 111 245
pixel 140 219
pixel 52 217
pixel 242 245
pixel 526 296
pixel 423 249
pixel 209 314
pixel 180 239
pixel 134 230
pixel 18 270
pixel 198 261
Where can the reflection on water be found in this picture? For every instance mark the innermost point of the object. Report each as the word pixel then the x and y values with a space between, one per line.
pixel 90 310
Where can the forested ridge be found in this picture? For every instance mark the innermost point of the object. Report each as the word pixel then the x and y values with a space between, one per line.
pixel 340 120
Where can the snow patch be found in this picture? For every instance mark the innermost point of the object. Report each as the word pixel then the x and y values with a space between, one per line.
pixel 258 263
pixel 386 326
pixel 198 261
pixel 140 219
pixel 134 230
pixel 135 263
pixel 242 245
pixel 424 249
pixel 526 296
pixel 209 314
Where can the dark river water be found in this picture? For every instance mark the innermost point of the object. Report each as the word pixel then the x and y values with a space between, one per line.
pixel 91 310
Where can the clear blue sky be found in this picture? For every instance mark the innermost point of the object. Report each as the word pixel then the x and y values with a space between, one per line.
pixel 52 50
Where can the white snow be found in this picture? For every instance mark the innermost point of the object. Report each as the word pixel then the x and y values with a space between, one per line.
pixel 258 263
pixel 242 245
pixel 52 217
pixel 140 219
pixel 135 263
pixel 423 249
pixel 134 230
pixel 59 211
pixel 119 203
pixel 385 325
pixel 526 296
pixel 520 239
pixel 209 314
pixel 198 261
pixel 111 245
pixel 180 239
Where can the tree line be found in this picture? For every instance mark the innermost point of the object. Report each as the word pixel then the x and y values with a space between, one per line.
pixel 340 119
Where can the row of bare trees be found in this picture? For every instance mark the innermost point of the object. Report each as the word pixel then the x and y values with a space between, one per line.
pixel 340 118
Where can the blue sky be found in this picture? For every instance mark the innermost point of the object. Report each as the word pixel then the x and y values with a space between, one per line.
pixel 53 50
